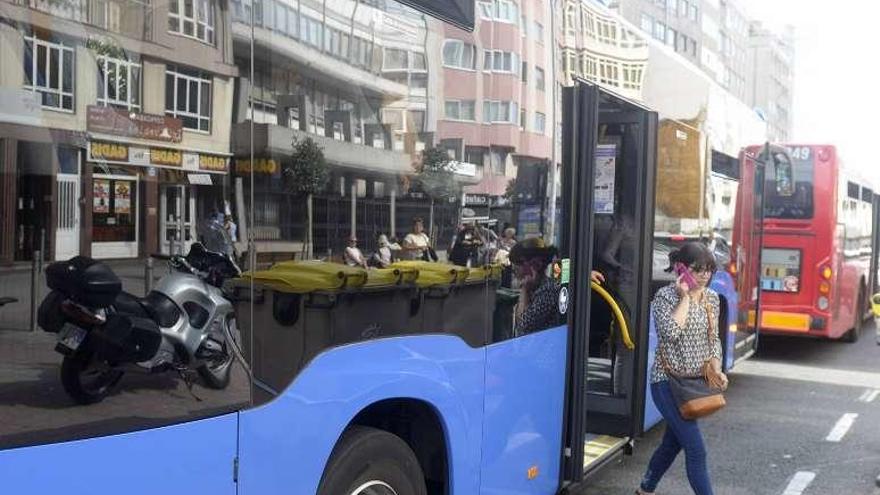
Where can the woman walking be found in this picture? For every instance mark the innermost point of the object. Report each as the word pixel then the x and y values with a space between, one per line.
pixel 688 345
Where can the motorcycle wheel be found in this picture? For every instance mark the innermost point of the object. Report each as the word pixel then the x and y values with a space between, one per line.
pixel 216 374
pixel 85 380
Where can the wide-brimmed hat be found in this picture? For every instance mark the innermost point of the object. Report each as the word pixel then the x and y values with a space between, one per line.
pixel 533 247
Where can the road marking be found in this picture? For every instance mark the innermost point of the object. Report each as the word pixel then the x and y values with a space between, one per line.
pixel 799 483
pixel 831 376
pixel 869 395
pixel 841 427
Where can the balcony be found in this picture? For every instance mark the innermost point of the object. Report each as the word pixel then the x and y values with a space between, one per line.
pixel 129 18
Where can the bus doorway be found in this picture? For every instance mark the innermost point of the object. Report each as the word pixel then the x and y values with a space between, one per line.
pixel 617 140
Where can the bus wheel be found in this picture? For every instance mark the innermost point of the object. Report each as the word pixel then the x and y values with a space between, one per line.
pixel 369 461
pixel 853 334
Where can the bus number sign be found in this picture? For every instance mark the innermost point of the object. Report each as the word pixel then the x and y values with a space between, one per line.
pixel 799 152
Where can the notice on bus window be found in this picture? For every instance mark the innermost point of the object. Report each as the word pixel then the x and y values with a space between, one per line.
pixel 603 194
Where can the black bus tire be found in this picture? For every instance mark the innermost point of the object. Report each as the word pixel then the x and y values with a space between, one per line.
pixel 375 459
pixel 853 334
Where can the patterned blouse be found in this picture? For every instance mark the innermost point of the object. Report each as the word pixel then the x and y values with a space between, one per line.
pixel 542 311
pixel 685 349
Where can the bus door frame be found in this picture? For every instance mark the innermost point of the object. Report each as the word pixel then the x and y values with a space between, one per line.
pixel 579 141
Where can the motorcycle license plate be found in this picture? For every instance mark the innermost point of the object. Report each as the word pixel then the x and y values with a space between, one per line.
pixel 71 336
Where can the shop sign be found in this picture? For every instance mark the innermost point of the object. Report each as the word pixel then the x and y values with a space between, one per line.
pixel 265 166
pixel 100 151
pixel 119 122
pixel 190 161
pixel 200 179
pixel 476 200
pixel 171 158
pixel 213 163
pixel 139 156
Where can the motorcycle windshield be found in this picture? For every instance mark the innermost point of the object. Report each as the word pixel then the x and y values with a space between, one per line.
pixel 215 237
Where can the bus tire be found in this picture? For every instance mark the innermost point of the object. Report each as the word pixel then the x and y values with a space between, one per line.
pixel 852 336
pixel 369 460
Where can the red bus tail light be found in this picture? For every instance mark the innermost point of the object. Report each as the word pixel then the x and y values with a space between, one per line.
pixel 824 287
pixel 826 272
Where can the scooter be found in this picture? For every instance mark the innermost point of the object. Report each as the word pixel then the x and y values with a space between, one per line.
pixel 185 324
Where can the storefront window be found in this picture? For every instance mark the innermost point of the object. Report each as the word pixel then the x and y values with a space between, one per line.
pixel 114 208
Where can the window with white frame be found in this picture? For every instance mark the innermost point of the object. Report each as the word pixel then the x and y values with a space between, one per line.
pixel 659 30
pixel 49 71
pixel 395 59
pixel 459 55
pixel 647 23
pixel 460 110
pixel 608 72
pixel 589 67
pixel 522 118
pixel 632 75
pixel 188 97
pixel 499 10
pixel 540 82
pixel 693 13
pixel 310 31
pixel 607 31
pixel 500 112
pixel 500 61
pixel 538 30
pixel 119 83
pixel 192 18
pixel 540 122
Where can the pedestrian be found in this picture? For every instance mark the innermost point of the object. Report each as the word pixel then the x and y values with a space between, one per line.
pixel 416 244
pixel 538 301
pixel 687 346
pixel 382 258
pixel 353 255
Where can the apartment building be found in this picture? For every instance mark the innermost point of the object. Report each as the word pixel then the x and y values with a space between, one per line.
pixel 114 125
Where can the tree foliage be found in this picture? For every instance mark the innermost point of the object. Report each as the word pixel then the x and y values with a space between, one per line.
pixel 436 175
pixel 305 170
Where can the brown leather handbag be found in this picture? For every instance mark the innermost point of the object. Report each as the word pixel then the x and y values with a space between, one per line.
pixel 694 396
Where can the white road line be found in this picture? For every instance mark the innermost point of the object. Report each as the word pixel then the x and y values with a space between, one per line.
pixel 861 379
pixel 869 395
pixel 799 483
pixel 841 427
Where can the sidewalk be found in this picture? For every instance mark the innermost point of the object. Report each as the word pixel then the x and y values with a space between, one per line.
pixel 15 281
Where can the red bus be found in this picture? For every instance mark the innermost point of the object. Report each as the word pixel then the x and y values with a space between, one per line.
pixel 816 251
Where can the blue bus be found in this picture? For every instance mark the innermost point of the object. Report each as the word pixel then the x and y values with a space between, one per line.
pixel 336 148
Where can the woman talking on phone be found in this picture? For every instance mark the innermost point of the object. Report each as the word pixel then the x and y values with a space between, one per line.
pixel 685 315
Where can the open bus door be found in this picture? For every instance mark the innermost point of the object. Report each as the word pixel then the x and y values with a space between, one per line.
pixel 615 143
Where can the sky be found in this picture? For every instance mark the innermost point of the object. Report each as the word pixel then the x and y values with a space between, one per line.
pixel 836 74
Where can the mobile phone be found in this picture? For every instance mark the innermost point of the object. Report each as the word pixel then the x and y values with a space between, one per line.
pixel 688 279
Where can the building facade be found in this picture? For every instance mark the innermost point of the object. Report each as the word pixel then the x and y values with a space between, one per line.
pixel 771 62
pixel 114 125
pixel 721 40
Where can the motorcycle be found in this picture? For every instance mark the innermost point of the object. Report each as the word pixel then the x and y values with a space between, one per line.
pixel 186 323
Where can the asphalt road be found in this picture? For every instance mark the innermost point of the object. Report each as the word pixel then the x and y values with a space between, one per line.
pixel 787 406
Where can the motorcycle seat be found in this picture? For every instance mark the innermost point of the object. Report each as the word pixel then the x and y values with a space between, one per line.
pixel 155 306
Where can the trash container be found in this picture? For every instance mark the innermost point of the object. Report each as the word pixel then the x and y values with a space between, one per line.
pixel 303 308
pixel 454 299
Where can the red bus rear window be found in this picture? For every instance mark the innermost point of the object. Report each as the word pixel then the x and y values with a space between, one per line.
pixel 789 192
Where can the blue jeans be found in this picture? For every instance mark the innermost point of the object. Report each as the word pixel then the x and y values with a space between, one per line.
pixel 680 434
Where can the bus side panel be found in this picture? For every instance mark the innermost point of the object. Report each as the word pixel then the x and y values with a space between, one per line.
pixel 724 285
pixel 652 414
pixel 286 443
pixel 194 457
pixel 522 435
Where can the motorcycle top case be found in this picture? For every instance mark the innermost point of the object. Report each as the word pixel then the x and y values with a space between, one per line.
pixel 85 281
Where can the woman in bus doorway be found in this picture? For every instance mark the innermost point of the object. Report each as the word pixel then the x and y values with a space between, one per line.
pixel 686 346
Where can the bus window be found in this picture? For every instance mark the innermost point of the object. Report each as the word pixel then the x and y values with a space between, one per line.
pixel 789 187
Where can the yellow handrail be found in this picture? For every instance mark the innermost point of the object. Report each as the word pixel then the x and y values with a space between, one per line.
pixel 618 314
